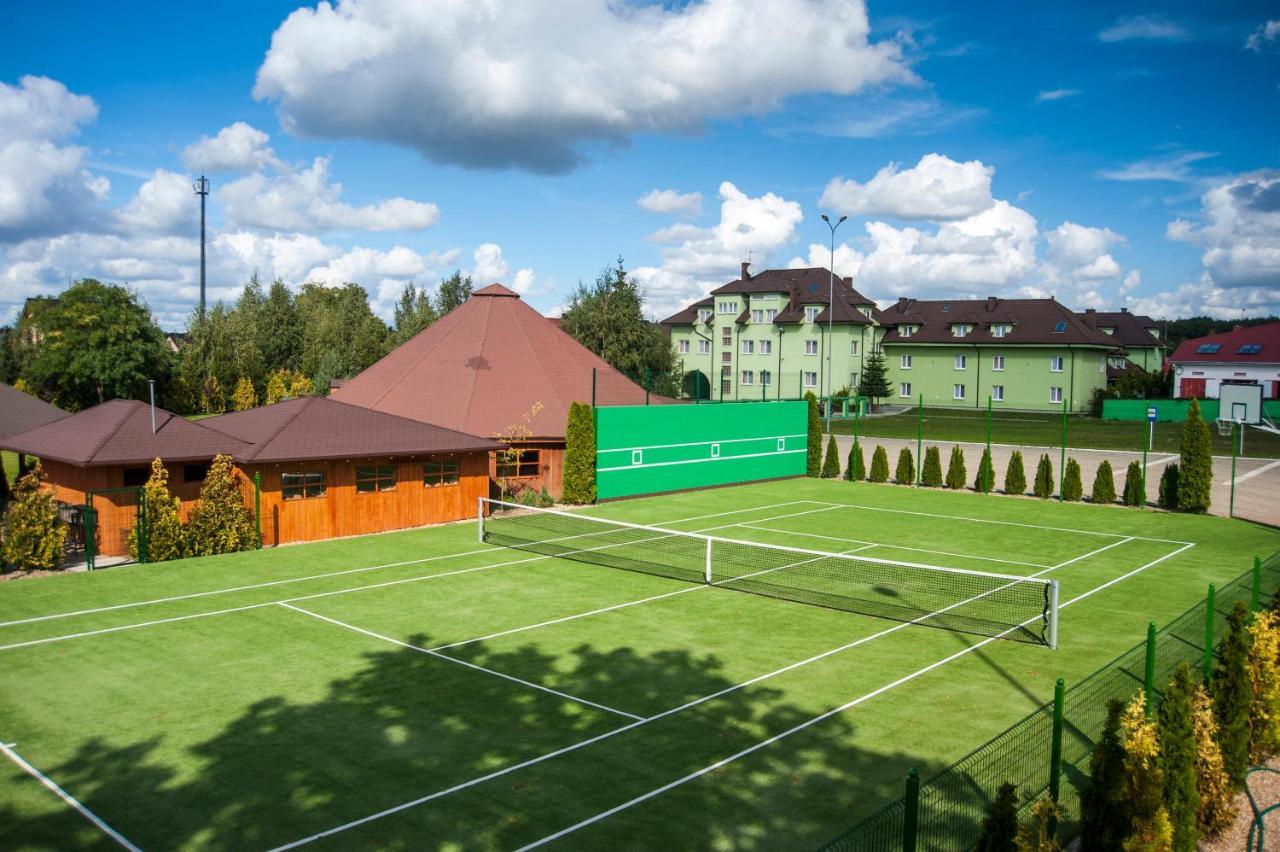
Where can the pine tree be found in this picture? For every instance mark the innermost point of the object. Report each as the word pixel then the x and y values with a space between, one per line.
pixel 1133 491
pixel 1232 691
pixel 874 381
pixel 1104 484
pixel 219 522
pixel 244 396
pixel 1178 759
pixel 1150 829
pixel 1072 487
pixel 879 465
pixel 831 464
pixel 1015 478
pixel 931 473
pixel 1217 809
pixel 813 462
pixel 1104 807
pixel 1038 835
pixel 1169 487
pixel 165 536
pixel 906 471
pixel 1264 675
pixel 956 472
pixel 986 478
pixel 1044 477
pixel 856 471
pixel 580 455
pixel 1000 823
pixel 33 533
pixel 1195 469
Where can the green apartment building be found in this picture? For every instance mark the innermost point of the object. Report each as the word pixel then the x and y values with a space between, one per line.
pixel 1139 335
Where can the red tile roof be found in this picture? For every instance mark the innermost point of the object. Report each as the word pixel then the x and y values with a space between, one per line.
pixel 21 411
pixel 482 367
pixel 1229 343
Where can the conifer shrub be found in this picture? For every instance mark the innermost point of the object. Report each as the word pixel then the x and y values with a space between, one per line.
pixel 1150 829
pixel 213 400
pixel 1177 735
pixel 1195 466
pixel 1039 834
pixel 1217 808
pixel 1015 477
pixel 244 396
pixel 931 473
pixel 1104 484
pixel 1264 675
pixel 956 472
pixel 165 536
pixel 219 522
pixel 986 478
pixel 906 471
pixel 1000 823
pixel 1044 477
pixel 545 500
pixel 831 464
pixel 33 533
pixel 813 461
pixel 1232 690
pixel 879 465
pixel 1104 805
pixel 579 455
pixel 1072 487
pixel 1134 495
pixel 1169 487
pixel 856 471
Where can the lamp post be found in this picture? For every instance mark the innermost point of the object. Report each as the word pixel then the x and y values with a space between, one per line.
pixel 831 307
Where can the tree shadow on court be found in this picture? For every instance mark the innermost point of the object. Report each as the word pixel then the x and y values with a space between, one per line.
pixel 406 725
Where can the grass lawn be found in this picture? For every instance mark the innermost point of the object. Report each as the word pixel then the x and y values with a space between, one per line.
pixel 421 690
pixel 1045 430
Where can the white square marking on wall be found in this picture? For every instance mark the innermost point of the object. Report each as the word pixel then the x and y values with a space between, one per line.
pixel 782 444
pixel 715 451
pixel 637 456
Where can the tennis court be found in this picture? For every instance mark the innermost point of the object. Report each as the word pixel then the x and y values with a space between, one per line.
pixel 578 684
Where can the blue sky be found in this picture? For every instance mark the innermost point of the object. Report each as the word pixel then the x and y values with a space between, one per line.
pixel 1114 155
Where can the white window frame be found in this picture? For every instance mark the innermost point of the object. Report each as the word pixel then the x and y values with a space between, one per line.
pixel 770 314
pixel 904 390
pixel 853 347
pixel 704 314
pixel 1056 363
pixel 999 329
pixel 811 347
pixel 904 362
pixel 906 330
pixel 960 329
pixel 757 315
pixel 726 307
pixel 748 377
pixel 766 378
pixel 766 347
pixel 957 391
pixel 704 346
pixel 811 313
pixel 997 363
pixel 962 362
pixel 810 379
pixel 1055 395
pixel 683 347
pixel 748 347
pixel 997 393
pixel 853 383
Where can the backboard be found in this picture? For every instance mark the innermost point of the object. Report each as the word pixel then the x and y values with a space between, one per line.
pixel 1240 403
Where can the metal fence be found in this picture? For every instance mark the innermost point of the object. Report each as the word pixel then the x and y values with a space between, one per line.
pixel 1047 753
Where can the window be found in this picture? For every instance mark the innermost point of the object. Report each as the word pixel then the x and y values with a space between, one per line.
pixel 301 485
pixel 726 357
pixel 726 307
pixel 726 337
pixel 997 362
pixel 195 472
pixel 704 347
pixel 997 393
pixel 765 377
pixel 726 373
pixel 757 315
pixel 134 476
pixel 1059 327
pixel 853 347
pixel 1102 365
pixel 1107 330
pixel 810 379
pixel 1055 364
pixel 370 480
pixel 906 330
pixel 518 463
pixel 440 472
pixel 1055 394
pixel 905 362
pixel 960 329
pixel 811 313
pixel 957 391
pixel 748 377
pixel 748 347
pixel 962 361
pixel 766 347
pixel 704 315
pixel 1249 349
pixel 684 347
pixel 770 314
pixel 1208 348
pixel 853 382
pixel 904 389
pixel 999 330
pixel 811 347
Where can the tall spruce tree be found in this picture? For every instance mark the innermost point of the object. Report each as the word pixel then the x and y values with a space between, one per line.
pixel 280 329
pixel 1195 469
pixel 856 471
pixel 1104 484
pixel 580 455
pixel 1000 822
pixel 906 470
pixel 1232 690
pixel 1043 487
pixel 831 463
pixel 813 458
pixel 1015 476
pixel 931 473
pixel 874 381
pixel 879 465
pixel 1178 759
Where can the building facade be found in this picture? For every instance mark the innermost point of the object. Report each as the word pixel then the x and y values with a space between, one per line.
pixel 1241 356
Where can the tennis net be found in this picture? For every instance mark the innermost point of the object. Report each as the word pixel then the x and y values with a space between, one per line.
pixel 988 604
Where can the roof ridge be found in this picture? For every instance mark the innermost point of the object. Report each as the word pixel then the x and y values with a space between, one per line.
pixel 120 421
pixel 557 336
pixel 381 413
pixel 287 421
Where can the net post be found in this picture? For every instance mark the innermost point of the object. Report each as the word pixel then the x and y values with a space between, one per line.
pixel 1231 505
pixel 1149 676
pixel 480 519
pixel 1208 633
pixel 987 474
pixel 911 811
pixel 1062 461
pixel 1055 751
pixel 1146 447
pixel 1255 593
pixel 919 437
pixel 1053 614
pixel 708 565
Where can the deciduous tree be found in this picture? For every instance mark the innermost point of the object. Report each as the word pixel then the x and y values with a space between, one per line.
pixel 413 313
pixel 452 292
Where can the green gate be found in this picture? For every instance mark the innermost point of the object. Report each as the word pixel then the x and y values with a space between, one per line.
pixel 107 533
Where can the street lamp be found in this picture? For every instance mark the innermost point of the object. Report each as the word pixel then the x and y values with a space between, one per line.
pixel 831 307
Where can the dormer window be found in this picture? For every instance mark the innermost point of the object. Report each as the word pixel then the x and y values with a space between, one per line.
pixel 960 329
pixel 1000 329
pixel 1107 330
pixel 704 315
pixel 811 313
pixel 906 330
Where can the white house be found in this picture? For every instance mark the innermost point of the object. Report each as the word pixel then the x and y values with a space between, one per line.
pixel 1243 355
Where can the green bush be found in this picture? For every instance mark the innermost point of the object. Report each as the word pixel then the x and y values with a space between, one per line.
pixel 879 465
pixel 165 536
pixel 1232 690
pixel 545 500
pixel 931 473
pixel 1169 487
pixel 1000 823
pixel 906 471
pixel 857 469
pixel 1178 759
pixel 1072 487
pixel 955 469
pixel 986 478
pixel 579 455
pixel 1104 806
pixel 813 461
pixel 33 534
pixel 1104 484
pixel 1195 473
pixel 219 522
pixel 1015 478
pixel 1044 477
pixel 1133 491
pixel 831 464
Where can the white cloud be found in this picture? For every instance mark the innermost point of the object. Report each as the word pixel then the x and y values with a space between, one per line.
pixel 238 147
pixel 671 201
pixel 165 203
pixel 848 260
pixel 1143 27
pixel 39 108
pixel 935 188
pixel 499 85
pixel 1056 94
pixel 1264 36
pixel 1175 168
pixel 306 200
pixel 491 267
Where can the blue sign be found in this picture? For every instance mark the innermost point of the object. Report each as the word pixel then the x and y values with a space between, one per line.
pixel 1151 415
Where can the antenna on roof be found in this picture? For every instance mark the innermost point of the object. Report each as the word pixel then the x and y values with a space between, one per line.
pixel 152 383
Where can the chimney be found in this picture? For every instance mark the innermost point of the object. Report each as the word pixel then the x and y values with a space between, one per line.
pixel 903 301
pixel 991 303
pixel 745 266
pixel 1124 310
pixel 848 281
pixel 1095 310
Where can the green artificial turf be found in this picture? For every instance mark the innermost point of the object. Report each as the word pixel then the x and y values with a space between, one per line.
pixel 245 715
pixel 1027 428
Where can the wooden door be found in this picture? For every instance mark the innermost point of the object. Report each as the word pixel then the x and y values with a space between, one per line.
pixel 1191 388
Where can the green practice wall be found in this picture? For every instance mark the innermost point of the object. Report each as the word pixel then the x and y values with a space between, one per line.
pixel 643 449
pixel 1171 409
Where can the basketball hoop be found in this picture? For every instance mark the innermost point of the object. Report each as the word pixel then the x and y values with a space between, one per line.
pixel 1225 427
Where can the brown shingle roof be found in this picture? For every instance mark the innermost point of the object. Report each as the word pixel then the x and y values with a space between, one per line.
pixel 483 367
pixel 1129 329
pixel 21 411
pixel 813 281
pixel 1033 322
pixel 688 315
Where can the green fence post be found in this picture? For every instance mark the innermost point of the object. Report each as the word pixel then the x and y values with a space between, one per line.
pixel 919 437
pixel 1231 506
pixel 1055 750
pixel 1208 633
pixel 1062 462
pixel 1255 594
pixel 257 506
pixel 857 418
pixel 1149 678
pixel 1146 447
pixel 593 388
pixel 90 532
pixel 987 474
pixel 911 811
pixel 142 526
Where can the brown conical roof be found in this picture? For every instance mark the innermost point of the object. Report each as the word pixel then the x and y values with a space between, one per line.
pixel 482 367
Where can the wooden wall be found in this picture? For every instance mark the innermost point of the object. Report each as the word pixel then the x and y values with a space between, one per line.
pixel 551 473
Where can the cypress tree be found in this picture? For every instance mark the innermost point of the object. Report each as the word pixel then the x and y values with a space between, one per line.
pixel 1217 810
pixel 906 472
pixel 813 462
pixel 1178 759
pixel 1038 834
pixel 580 455
pixel 1195 473
pixel 1015 478
pixel 879 465
pixel 1072 487
pixel 857 468
pixel 1000 823
pixel 1104 809
pixel 1044 477
pixel 1133 493
pixel 931 473
pixel 831 464
pixel 1104 484
pixel 986 478
pixel 1169 487
pixel 1232 692
pixel 955 469
pixel 165 538
pixel 219 522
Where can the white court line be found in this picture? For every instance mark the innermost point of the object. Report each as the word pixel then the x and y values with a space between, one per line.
pixel 1251 474
pixel 1122 577
pixel 1165 460
pixel 269 583
pixel 53 787
pixel 894 546
pixel 473 666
